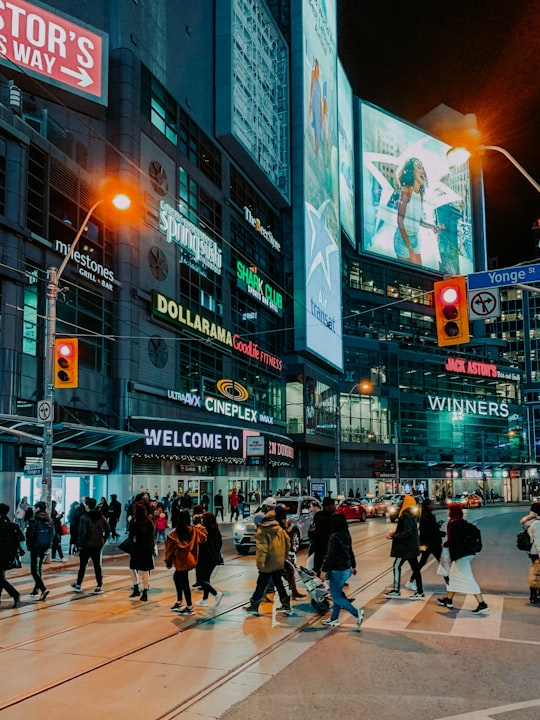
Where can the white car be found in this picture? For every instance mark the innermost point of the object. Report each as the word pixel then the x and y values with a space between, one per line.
pixel 300 511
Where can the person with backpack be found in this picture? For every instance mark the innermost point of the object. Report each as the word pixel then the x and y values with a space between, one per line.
pixel 463 542
pixel 11 537
pixel 93 529
pixel 531 523
pixel 39 537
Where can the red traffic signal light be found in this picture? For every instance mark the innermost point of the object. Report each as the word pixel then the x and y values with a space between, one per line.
pixel 66 363
pixel 451 311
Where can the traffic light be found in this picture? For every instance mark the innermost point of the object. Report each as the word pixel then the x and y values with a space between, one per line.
pixel 66 363
pixel 451 311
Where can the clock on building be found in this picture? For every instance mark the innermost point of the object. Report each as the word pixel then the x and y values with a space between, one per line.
pixel 158 352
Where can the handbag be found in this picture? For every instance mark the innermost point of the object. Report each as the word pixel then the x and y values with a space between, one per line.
pixel 64 530
pixel 125 546
pixel 444 563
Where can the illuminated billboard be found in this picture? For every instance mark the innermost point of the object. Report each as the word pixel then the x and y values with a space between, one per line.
pixel 317 253
pixel 346 155
pixel 416 209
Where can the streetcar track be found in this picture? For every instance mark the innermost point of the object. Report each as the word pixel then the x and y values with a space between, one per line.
pixel 363 546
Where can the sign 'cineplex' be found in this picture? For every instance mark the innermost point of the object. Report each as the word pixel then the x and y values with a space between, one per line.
pixel 176 314
pixel 54 48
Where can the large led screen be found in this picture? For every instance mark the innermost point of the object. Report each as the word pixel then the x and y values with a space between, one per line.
pixel 319 328
pixel 346 155
pixel 416 209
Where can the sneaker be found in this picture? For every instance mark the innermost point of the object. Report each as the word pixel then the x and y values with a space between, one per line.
pixel 330 623
pixel 196 586
pixel 186 611
pixel 76 587
pixel 392 594
pixel 411 585
pixel 43 595
pixel 177 607
pixel 34 593
pixel 98 590
pixel 251 608
pixel 359 619
pixel 202 603
pixel 482 608
pixel 217 598
pixel 63 559
pixel 285 609
pixel 417 596
pixel 445 602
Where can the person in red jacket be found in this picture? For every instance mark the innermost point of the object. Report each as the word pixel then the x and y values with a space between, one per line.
pixel 182 552
pixel 233 504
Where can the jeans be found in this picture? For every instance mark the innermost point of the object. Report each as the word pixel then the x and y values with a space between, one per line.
pixel 36 563
pixel 93 554
pixel 337 580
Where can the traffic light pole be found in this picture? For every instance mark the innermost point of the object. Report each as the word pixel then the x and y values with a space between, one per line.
pixel 54 276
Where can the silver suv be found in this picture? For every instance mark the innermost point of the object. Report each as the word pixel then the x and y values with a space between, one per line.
pixel 299 516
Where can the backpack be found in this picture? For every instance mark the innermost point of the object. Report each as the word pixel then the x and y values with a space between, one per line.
pixel 43 535
pixel 523 541
pixel 473 538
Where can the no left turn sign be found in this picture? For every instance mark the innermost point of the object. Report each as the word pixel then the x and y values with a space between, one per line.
pixel 44 410
pixel 484 304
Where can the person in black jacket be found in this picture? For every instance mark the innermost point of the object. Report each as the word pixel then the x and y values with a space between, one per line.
pixel 142 540
pixel 115 511
pixel 39 537
pixel 209 557
pixel 431 537
pixel 339 564
pixel 405 547
pixel 322 531
pixel 11 537
pixel 93 529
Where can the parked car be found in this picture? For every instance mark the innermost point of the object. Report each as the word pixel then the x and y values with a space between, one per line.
pixel 380 503
pixel 368 503
pixel 352 509
pixel 299 514
pixel 468 501
pixel 393 507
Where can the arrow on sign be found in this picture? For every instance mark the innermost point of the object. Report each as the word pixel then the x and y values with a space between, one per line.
pixel 80 74
pixel 484 304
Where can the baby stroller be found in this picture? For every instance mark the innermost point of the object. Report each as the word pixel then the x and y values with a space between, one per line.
pixel 318 589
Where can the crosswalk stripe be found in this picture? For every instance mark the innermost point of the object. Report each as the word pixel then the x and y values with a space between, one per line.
pixel 485 627
pixel 395 614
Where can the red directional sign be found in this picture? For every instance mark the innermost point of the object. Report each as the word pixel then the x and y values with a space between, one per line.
pixel 53 48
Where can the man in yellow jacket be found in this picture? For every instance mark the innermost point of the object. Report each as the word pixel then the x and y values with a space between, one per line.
pixel 272 545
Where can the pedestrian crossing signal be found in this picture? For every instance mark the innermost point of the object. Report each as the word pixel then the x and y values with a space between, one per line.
pixel 66 363
pixel 451 311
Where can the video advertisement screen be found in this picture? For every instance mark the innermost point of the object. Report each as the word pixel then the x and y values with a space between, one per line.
pixel 416 208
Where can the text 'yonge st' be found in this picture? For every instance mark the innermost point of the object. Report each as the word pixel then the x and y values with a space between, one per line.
pixel 171 311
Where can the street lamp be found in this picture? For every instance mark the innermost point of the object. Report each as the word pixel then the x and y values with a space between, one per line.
pixel 121 202
pixel 459 156
pixel 364 386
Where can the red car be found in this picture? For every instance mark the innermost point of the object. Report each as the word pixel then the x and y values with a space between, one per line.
pixel 352 509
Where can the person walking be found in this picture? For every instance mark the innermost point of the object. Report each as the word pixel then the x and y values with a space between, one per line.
pixel 182 553
pixel 209 557
pixel 141 537
pixel 11 537
pixel 531 522
pixel 320 532
pixel 272 545
pixel 431 537
pixel 233 504
pixel 115 512
pixel 290 575
pixel 461 578
pixel 76 511
pixel 93 530
pixel 218 505
pixel 338 565
pixel 22 513
pixel 56 547
pixel 161 522
pixel 405 548
pixel 39 537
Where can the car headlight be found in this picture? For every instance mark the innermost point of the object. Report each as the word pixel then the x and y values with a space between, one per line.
pixel 239 528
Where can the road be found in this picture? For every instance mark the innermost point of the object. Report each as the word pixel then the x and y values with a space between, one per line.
pixel 82 654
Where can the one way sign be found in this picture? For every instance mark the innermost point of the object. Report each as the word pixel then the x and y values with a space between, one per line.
pixel 54 48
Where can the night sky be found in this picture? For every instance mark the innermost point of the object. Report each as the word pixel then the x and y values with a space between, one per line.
pixel 477 56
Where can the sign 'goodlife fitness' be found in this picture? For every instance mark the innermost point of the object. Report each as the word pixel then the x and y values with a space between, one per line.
pixel 54 48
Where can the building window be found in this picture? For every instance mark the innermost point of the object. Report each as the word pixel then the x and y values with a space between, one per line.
pixel 199 149
pixel 30 313
pixel 3 153
pixel 37 195
pixel 158 106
